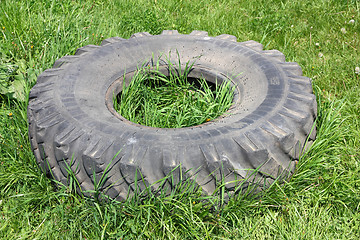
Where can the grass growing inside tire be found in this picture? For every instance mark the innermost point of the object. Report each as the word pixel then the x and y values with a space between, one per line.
pixel 156 100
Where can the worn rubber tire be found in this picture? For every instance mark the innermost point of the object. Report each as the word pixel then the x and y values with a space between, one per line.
pixel 72 122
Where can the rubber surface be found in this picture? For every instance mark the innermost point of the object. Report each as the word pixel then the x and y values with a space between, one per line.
pixel 72 122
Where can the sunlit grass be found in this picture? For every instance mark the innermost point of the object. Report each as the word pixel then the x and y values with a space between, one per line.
pixel 156 100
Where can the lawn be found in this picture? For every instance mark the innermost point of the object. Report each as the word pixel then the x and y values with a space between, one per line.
pixel 322 199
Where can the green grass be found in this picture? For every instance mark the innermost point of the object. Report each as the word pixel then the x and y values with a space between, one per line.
pixel 156 100
pixel 322 200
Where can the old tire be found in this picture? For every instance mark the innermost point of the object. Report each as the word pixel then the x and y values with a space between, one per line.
pixel 73 126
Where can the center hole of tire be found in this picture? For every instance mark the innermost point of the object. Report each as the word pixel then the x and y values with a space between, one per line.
pixel 164 98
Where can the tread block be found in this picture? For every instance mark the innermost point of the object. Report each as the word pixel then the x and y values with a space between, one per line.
pixel 297 115
pixel 199 33
pixel 304 120
pixel 304 96
pixel 63 133
pixel 40 89
pixel 111 40
pixel 151 166
pixel 172 166
pixel 49 121
pixel 221 167
pixel 227 37
pixel 138 183
pixel 140 34
pixel 93 168
pixel 253 45
pixel 281 158
pixel 284 136
pixel 274 164
pixel 212 158
pixel 271 169
pixel 86 49
pixel 254 154
pixel 66 142
pixel 49 75
pixel 261 158
pixel 98 147
pixel 95 159
pixel 295 151
pixel 275 54
pixel 195 166
pixel 130 167
pixel 64 60
pixel 169 158
pixel 44 85
pixel 69 135
pixel 37 105
pixel 230 152
pixel 292 68
pixel 170 32
pixel 92 143
pixel 301 84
